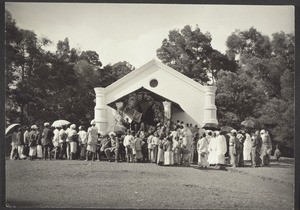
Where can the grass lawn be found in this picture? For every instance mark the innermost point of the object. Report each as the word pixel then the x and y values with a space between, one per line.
pixel 63 183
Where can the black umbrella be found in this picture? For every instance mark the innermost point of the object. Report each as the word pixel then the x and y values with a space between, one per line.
pixel 211 126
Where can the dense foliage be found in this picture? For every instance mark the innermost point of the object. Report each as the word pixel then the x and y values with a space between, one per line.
pixel 255 79
pixel 44 86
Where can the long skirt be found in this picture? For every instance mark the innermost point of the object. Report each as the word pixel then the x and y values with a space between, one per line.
pixel 186 157
pixel 247 150
pixel 138 154
pixel 39 150
pixel 212 158
pixel 73 147
pixel 32 151
pixel 160 155
pixel 91 148
pixel 83 150
pixel 202 160
pixel 154 154
pixel 168 158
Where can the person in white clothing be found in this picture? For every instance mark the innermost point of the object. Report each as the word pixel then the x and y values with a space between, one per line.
pixel 212 149
pixel 82 138
pixel 150 147
pixel 128 144
pixel 221 149
pixel 202 148
pixel 55 142
pixel 92 138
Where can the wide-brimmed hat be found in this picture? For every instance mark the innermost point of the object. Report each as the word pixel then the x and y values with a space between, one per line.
pixel 233 131
pixel 73 126
pixel 112 134
pixel 93 122
pixel 34 127
pixel 46 124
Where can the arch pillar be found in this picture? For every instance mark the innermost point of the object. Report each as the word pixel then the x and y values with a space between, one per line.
pixel 100 109
pixel 210 109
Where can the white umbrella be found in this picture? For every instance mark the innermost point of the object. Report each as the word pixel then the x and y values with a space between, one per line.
pixel 9 128
pixel 59 123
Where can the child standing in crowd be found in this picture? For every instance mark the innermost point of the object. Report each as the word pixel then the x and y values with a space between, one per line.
pixel 277 153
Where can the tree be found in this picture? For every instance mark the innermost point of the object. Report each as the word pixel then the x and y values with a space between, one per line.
pixel 268 65
pixel 190 52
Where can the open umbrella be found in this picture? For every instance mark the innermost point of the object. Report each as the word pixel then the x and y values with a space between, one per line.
pixel 11 127
pixel 59 123
pixel 119 129
pixel 211 126
pixel 248 124
pixel 227 129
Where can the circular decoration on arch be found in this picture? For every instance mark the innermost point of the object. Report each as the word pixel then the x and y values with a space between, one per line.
pixel 153 83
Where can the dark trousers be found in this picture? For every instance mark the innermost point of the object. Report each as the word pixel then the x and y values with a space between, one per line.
pixel 47 151
pixel 63 151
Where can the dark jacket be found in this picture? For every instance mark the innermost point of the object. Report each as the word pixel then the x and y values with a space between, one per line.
pixel 47 137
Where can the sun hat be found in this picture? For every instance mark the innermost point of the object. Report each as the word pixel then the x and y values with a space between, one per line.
pixel 46 124
pixel 93 122
pixel 73 126
pixel 34 127
pixel 112 134
pixel 233 131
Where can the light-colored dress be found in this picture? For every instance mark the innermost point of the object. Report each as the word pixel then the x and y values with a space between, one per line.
pixel 137 148
pixel 160 153
pixel 247 148
pixel 202 148
pixel 73 144
pixel 221 149
pixel 168 155
pixel 92 138
pixel 56 138
pixel 212 149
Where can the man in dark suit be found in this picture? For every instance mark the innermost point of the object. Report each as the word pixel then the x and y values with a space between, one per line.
pixel 47 136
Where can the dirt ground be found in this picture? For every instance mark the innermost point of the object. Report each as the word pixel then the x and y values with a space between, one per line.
pixel 63 183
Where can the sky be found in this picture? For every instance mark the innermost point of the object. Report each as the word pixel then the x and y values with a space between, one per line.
pixel 133 32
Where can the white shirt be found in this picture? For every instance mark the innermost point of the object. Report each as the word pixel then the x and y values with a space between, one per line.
pixel 128 140
pixel 82 137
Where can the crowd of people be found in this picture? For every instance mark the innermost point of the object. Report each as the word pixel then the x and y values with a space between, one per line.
pixel 164 144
